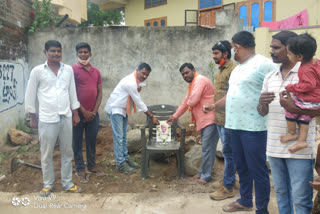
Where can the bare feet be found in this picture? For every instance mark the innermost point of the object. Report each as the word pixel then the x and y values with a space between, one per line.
pixel 298 146
pixel 196 176
pixel 201 181
pixel 288 137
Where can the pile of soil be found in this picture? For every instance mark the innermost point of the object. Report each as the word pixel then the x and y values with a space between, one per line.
pixel 162 176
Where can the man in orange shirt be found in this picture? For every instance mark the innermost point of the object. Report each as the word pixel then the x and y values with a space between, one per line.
pixel 200 92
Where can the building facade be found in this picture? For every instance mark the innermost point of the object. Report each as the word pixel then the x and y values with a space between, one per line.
pixel 76 9
pixel 202 12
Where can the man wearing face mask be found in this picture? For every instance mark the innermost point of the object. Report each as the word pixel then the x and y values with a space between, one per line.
pixel 248 131
pixel 124 98
pixel 89 92
pixel 221 56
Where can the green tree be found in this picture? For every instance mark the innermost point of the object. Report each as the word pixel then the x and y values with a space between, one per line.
pixel 96 17
pixel 44 15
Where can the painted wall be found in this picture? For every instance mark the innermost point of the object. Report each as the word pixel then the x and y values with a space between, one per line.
pixel 14 21
pixel 282 11
pixel 264 36
pixel 135 14
pixel 312 6
pixel 118 50
pixel 13 80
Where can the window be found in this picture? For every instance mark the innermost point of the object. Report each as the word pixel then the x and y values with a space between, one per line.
pixel 207 11
pixel 191 18
pixel 253 12
pixel 157 22
pixel 209 3
pixel 243 14
pixel 153 3
pixel 268 11
pixel 255 15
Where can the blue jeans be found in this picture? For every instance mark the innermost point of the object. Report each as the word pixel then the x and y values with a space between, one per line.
pixel 209 139
pixel 229 165
pixel 119 126
pixel 91 130
pixel 249 153
pixel 291 183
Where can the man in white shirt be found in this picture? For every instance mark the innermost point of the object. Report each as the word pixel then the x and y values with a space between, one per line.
pixel 52 83
pixel 291 172
pixel 124 97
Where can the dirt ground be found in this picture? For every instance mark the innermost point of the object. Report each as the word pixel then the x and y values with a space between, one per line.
pixel 114 193
pixel 162 176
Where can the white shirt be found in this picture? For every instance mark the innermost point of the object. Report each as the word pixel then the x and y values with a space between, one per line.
pixel 277 124
pixel 117 102
pixel 56 94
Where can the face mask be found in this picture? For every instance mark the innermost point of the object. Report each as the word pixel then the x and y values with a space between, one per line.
pixel 233 51
pixel 222 61
pixel 141 84
pixel 84 62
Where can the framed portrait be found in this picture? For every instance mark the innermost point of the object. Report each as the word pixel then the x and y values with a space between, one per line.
pixel 163 132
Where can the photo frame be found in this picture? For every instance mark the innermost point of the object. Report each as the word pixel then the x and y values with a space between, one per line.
pixel 163 132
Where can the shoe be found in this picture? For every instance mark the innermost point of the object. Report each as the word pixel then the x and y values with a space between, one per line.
pixel 83 177
pixel 45 192
pixel 97 172
pixel 221 194
pixel 132 164
pixel 74 189
pixel 125 168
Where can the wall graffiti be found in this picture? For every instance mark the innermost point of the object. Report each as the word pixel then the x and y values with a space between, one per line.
pixel 11 85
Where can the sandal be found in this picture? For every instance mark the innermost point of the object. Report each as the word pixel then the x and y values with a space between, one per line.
pixel 97 172
pixel 83 177
pixel 45 192
pixel 201 181
pixel 234 207
pixel 74 189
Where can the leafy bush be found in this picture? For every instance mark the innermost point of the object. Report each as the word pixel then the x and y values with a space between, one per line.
pixel 44 15
pixel 96 17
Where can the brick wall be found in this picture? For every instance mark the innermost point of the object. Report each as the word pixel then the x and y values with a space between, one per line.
pixel 15 20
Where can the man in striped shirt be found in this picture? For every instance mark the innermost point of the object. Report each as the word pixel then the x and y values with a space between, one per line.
pixel 291 172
